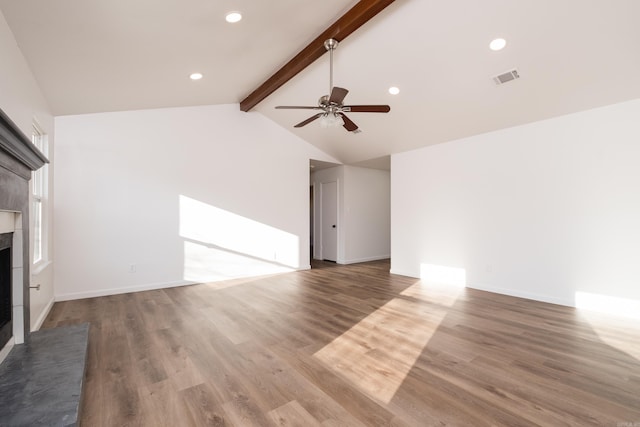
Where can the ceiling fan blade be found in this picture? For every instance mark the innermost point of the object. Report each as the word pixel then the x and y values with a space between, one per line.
pixel 309 120
pixel 337 95
pixel 367 108
pixel 348 124
pixel 296 107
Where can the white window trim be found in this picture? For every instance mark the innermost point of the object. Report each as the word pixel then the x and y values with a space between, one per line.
pixel 43 145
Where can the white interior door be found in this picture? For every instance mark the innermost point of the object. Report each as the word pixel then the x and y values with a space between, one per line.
pixel 330 221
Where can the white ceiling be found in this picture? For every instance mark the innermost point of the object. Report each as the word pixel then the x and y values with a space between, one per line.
pixel 110 55
pixel 573 55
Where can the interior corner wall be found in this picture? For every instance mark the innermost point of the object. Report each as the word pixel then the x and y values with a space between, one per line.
pixel 22 100
pixel 363 213
pixel 148 199
pixel 548 210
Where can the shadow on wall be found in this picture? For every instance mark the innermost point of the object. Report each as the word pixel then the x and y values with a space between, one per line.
pixel 220 245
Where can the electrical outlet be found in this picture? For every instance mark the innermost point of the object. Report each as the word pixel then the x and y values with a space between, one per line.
pixel 132 268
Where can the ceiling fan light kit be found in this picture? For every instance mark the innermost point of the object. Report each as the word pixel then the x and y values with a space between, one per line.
pixel 331 120
pixel 332 106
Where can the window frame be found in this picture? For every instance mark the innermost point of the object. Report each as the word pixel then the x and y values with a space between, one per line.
pixel 39 189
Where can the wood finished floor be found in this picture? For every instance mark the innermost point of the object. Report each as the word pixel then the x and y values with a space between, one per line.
pixel 350 346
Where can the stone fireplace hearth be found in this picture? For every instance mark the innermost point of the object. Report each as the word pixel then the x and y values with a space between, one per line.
pixel 18 158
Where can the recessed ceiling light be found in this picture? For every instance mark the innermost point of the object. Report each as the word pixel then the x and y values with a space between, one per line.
pixel 195 76
pixel 497 44
pixel 233 17
pixel 394 90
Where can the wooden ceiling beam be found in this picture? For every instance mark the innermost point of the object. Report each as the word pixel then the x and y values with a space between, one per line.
pixel 357 16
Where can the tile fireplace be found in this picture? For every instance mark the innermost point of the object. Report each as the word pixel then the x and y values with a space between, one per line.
pixel 18 158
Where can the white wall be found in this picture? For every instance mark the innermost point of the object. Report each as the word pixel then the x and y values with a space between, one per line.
pixel 363 212
pixel 367 214
pixel 548 210
pixel 156 198
pixel 22 100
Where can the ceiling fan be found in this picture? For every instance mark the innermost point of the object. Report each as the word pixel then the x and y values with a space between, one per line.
pixel 332 105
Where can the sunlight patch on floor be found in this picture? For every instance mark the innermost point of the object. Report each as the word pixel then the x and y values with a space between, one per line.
pixel 606 314
pixel 377 354
pixel 438 284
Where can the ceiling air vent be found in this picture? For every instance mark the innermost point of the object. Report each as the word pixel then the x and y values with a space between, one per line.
pixel 506 77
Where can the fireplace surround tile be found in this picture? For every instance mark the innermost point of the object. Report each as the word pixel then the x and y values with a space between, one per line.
pixel 18 291
pixel 7 222
pixel 18 258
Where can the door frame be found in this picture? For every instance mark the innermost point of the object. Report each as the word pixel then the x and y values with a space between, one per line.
pixel 317 219
pixel 337 217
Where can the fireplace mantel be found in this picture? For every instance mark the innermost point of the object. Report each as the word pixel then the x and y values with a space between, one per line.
pixel 17 146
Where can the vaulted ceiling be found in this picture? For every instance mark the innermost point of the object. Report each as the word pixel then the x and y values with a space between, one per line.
pixel 572 55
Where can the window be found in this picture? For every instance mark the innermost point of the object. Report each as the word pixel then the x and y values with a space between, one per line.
pixel 39 198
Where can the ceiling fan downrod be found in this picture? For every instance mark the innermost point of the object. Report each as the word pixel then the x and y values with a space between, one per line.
pixel 331 45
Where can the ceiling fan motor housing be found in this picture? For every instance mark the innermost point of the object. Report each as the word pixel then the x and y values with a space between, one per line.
pixel 323 101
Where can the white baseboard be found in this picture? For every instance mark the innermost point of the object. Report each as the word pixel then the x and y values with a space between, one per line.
pixel 116 291
pixel 367 259
pixel 502 291
pixel 43 315
pixel 522 294
pixel 138 288
pixel 404 273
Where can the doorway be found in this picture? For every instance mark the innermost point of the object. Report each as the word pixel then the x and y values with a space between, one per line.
pixel 329 220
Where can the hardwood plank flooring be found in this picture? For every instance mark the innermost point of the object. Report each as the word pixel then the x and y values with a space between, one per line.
pixel 351 346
